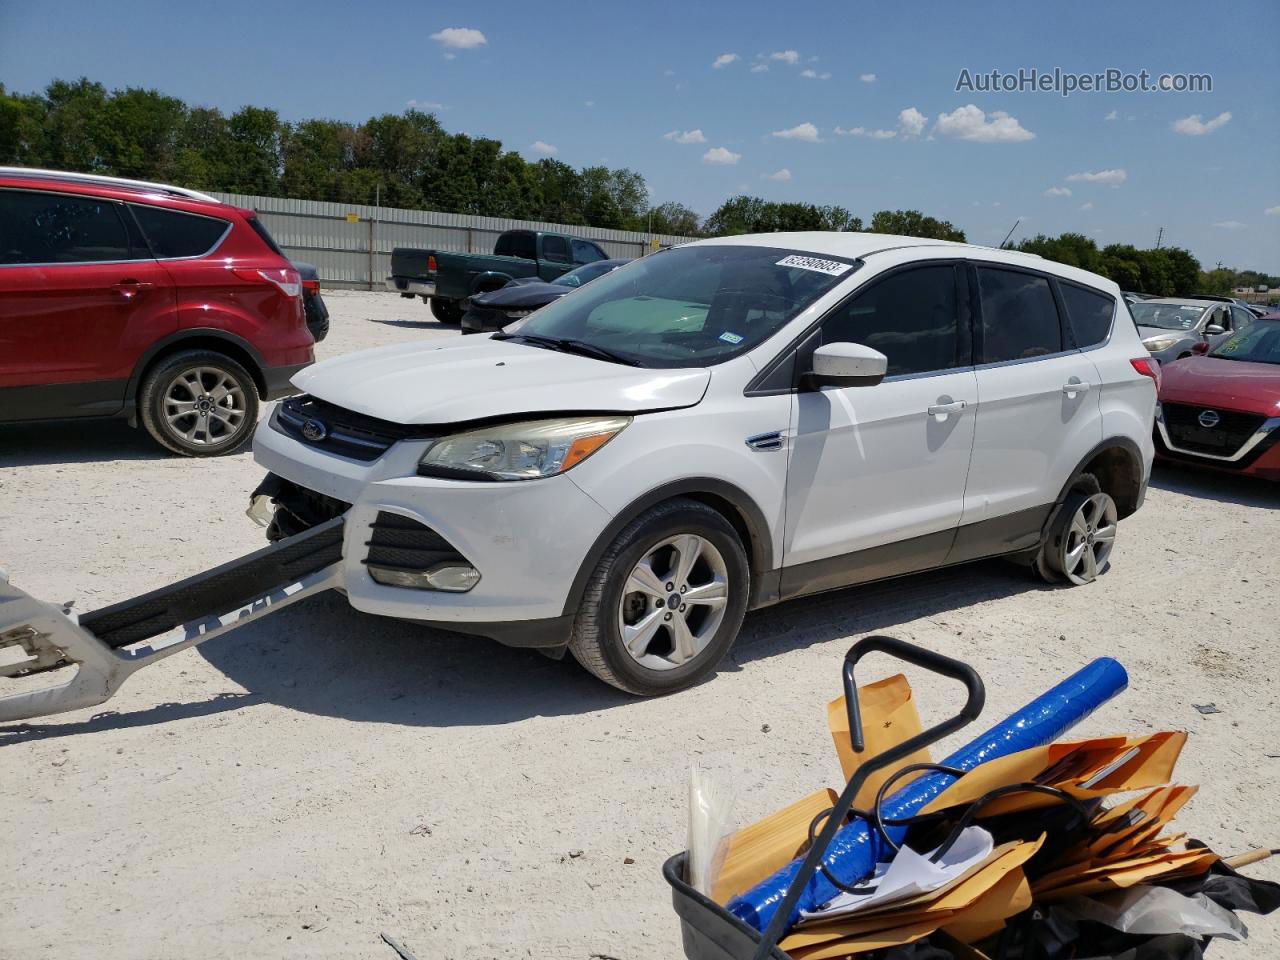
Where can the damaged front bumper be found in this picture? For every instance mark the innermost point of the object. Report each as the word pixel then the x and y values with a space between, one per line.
pixel 105 647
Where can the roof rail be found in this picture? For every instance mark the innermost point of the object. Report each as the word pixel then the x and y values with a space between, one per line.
pixel 38 174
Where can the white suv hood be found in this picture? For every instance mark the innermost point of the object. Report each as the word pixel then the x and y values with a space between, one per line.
pixel 472 378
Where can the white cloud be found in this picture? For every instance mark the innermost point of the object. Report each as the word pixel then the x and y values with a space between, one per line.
pixel 867 77
pixel 668 73
pixel 589 103
pixel 721 156
pixel 850 131
pixel 786 56
pixel 1230 225
pixel 1194 126
pixel 451 56
pixel 760 68
pixel 1110 177
pixel 815 75
pixel 912 122
pixel 1058 192
pixel 542 147
pixel 801 131
pixel 724 60
pixel 460 38
pixel 1087 205
pixel 1113 115
pixel 685 136
pixel 783 174
pixel 970 123
pixel 1272 211
pixel 425 105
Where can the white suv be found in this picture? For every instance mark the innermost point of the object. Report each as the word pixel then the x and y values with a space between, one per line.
pixel 718 427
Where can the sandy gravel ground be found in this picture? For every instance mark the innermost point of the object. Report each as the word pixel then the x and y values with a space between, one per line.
pixel 311 780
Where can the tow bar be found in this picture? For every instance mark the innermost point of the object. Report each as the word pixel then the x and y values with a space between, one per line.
pixel 108 645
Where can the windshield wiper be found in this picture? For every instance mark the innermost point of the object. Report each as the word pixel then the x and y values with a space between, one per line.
pixel 580 347
pixel 600 353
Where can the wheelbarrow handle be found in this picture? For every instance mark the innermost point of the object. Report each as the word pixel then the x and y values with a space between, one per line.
pixel 919 656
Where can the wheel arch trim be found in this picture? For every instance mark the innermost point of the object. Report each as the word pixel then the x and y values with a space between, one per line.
pixel 194 338
pixel 1132 498
pixel 748 518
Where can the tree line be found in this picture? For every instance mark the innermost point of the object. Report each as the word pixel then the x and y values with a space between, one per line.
pixel 409 160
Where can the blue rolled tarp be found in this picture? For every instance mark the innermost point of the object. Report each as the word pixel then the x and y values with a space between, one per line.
pixel 856 848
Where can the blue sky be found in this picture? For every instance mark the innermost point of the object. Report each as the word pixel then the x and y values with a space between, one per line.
pixel 605 82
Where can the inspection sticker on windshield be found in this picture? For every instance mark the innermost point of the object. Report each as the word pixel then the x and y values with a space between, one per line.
pixel 832 268
pixel 728 337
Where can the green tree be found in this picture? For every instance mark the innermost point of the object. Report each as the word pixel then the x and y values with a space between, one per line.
pixel 913 223
pixel 673 218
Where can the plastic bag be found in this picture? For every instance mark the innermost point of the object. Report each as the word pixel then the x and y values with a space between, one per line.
pixel 710 823
pixel 1146 910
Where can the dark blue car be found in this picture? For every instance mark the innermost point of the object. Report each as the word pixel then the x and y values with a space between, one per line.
pixel 519 298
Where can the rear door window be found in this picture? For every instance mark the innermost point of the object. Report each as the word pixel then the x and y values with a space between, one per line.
pixel 1019 316
pixel 910 316
pixel 555 248
pixel 1089 313
pixel 37 227
pixel 174 235
pixel 517 243
pixel 584 252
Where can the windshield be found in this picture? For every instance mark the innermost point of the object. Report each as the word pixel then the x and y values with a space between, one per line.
pixel 1259 343
pixel 585 273
pixel 1166 316
pixel 690 306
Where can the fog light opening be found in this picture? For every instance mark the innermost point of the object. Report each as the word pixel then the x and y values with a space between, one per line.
pixel 450 577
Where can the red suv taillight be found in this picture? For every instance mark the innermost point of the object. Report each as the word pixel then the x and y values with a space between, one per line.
pixel 1148 367
pixel 431 264
pixel 288 281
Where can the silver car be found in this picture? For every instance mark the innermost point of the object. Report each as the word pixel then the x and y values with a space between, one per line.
pixel 1172 328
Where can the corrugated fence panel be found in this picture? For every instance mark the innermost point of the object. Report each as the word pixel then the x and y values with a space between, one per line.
pixel 338 237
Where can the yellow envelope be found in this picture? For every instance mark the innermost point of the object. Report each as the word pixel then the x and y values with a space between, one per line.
pixel 889 717
pixel 756 852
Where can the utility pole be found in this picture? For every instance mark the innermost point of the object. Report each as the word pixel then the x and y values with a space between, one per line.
pixel 1159 237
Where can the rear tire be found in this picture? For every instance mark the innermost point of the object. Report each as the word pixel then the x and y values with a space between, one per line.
pixel 199 403
pixel 446 311
pixel 679 635
pixel 1081 537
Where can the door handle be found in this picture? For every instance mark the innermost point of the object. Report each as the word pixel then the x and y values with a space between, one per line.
pixel 942 409
pixel 1075 386
pixel 131 288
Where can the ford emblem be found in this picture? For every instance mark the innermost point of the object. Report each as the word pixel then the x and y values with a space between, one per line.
pixel 315 431
pixel 1209 419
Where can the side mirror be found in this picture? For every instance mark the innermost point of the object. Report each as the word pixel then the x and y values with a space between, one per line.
pixel 1213 329
pixel 847 365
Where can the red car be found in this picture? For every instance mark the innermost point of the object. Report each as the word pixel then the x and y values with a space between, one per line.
pixel 1222 409
pixel 127 299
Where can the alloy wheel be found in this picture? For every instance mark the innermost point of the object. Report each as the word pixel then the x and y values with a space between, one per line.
pixel 673 602
pixel 205 406
pixel 1090 537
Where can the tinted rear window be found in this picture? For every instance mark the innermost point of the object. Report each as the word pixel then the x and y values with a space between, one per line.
pixel 555 248
pixel 260 229
pixel 1088 312
pixel 175 234
pixel 1019 316
pixel 39 227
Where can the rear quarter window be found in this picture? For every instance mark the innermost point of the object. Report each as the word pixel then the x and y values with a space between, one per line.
pixel 1089 313
pixel 173 234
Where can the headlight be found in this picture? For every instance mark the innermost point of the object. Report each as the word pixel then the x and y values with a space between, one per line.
pixel 520 451
pixel 1156 344
pixel 518 314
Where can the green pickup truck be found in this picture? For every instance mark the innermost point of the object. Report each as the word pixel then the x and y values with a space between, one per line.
pixel 447 279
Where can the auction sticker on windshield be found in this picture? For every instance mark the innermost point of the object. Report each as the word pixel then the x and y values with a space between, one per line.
pixel 832 268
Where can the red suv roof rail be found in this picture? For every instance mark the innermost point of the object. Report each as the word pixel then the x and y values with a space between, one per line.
pixel 35 173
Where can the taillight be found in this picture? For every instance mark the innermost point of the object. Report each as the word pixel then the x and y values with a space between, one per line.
pixel 288 281
pixel 431 264
pixel 311 286
pixel 1148 367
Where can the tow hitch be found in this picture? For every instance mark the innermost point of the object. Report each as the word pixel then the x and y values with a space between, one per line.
pixel 110 644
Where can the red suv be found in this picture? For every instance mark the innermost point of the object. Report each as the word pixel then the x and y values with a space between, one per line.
pixel 151 302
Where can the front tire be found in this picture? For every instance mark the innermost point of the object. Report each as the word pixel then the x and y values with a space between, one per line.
pixel 199 403
pixel 665 602
pixel 446 311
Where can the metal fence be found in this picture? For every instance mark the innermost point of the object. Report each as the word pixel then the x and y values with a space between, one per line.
pixel 351 244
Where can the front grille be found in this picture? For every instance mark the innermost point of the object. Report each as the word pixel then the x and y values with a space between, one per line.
pixel 1232 430
pixel 400 543
pixel 345 432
